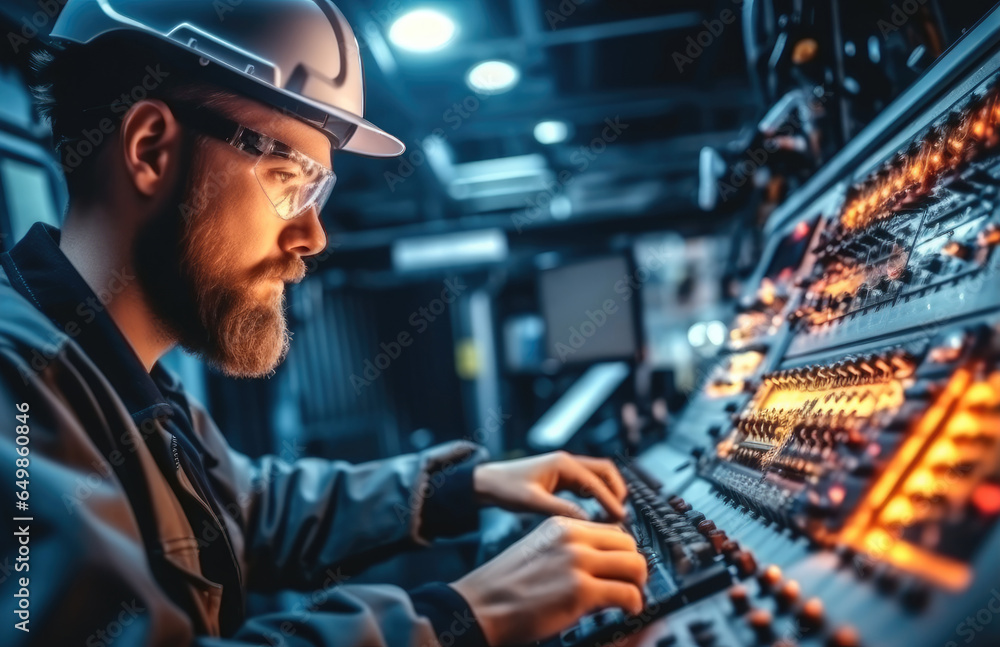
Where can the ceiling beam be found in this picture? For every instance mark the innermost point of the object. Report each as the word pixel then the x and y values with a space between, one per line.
pixel 500 120
pixel 536 37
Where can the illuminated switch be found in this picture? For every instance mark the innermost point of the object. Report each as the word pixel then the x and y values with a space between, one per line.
pixel 739 598
pixel 810 616
pixel 986 499
pixel 788 594
pixel 761 621
pixel 989 236
pixel 769 578
pixel 856 440
pixel 903 361
pixel 958 250
pixel 845 636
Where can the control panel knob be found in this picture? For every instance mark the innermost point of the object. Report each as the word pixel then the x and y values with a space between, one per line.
pixel 788 594
pixel 761 621
pixel 845 636
pixel 769 578
pixel 739 598
pixel 810 616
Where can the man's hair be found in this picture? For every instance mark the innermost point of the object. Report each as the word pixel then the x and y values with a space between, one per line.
pixel 84 91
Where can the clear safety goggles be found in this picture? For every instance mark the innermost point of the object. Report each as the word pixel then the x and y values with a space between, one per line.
pixel 291 180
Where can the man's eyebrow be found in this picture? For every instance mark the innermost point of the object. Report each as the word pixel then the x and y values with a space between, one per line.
pixel 301 151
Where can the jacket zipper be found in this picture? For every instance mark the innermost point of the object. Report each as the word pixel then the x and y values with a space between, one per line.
pixel 173 449
pixel 211 513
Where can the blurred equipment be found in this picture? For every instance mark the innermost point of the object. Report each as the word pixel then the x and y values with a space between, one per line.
pixel 555 429
pixel 836 479
pixel 587 315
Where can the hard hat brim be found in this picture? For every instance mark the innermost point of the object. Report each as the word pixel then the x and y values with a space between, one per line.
pixel 216 57
pixel 368 139
pixel 371 141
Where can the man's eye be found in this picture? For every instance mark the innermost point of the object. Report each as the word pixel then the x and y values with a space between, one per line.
pixel 283 176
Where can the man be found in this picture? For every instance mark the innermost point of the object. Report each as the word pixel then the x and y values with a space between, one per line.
pixel 195 203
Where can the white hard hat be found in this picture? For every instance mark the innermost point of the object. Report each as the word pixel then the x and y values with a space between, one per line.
pixel 300 56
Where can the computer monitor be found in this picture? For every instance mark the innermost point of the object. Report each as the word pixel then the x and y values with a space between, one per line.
pixel 589 311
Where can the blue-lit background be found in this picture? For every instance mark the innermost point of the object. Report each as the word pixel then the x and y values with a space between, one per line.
pixel 554 260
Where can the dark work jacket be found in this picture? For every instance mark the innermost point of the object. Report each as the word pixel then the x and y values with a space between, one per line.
pixel 141 526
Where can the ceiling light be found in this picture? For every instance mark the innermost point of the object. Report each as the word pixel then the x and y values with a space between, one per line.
pixel 493 77
pixel 449 250
pixel 551 132
pixel 422 30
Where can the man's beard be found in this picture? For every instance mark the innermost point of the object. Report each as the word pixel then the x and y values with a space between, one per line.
pixel 182 262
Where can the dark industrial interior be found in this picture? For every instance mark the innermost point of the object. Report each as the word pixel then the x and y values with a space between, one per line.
pixel 601 251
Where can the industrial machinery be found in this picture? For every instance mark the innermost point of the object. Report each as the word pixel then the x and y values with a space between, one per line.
pixel 836 481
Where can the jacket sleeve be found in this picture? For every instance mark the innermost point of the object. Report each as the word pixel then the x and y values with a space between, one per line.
pixel 75 569
pixel 305 517
pixel 370 615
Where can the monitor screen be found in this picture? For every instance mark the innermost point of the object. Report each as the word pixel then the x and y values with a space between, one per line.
pixel 589 311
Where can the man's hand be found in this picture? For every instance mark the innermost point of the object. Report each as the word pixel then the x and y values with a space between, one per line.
pixel 551 577
pixel 530 484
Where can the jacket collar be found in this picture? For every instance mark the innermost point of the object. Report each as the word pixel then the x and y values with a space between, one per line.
pixel 42 274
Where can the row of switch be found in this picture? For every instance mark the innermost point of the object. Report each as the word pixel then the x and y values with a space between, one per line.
pixel 809 615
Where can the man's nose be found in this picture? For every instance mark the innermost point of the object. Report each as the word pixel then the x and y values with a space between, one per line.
pixel 305 235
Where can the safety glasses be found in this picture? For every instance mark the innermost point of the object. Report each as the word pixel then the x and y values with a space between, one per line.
pixel 292 181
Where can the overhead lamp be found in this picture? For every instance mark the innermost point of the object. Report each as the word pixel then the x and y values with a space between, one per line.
pixel 422 30
pixel 551 132
pixel 493 77
pixel 449 250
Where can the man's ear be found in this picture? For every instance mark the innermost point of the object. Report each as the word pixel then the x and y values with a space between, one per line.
pixel 151 144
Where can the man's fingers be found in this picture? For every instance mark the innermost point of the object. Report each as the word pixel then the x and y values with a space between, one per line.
pixel 579 479
pixel 551 504
pixel 600 536
pixel 625 565
pixel 614 593
pixel 606 470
